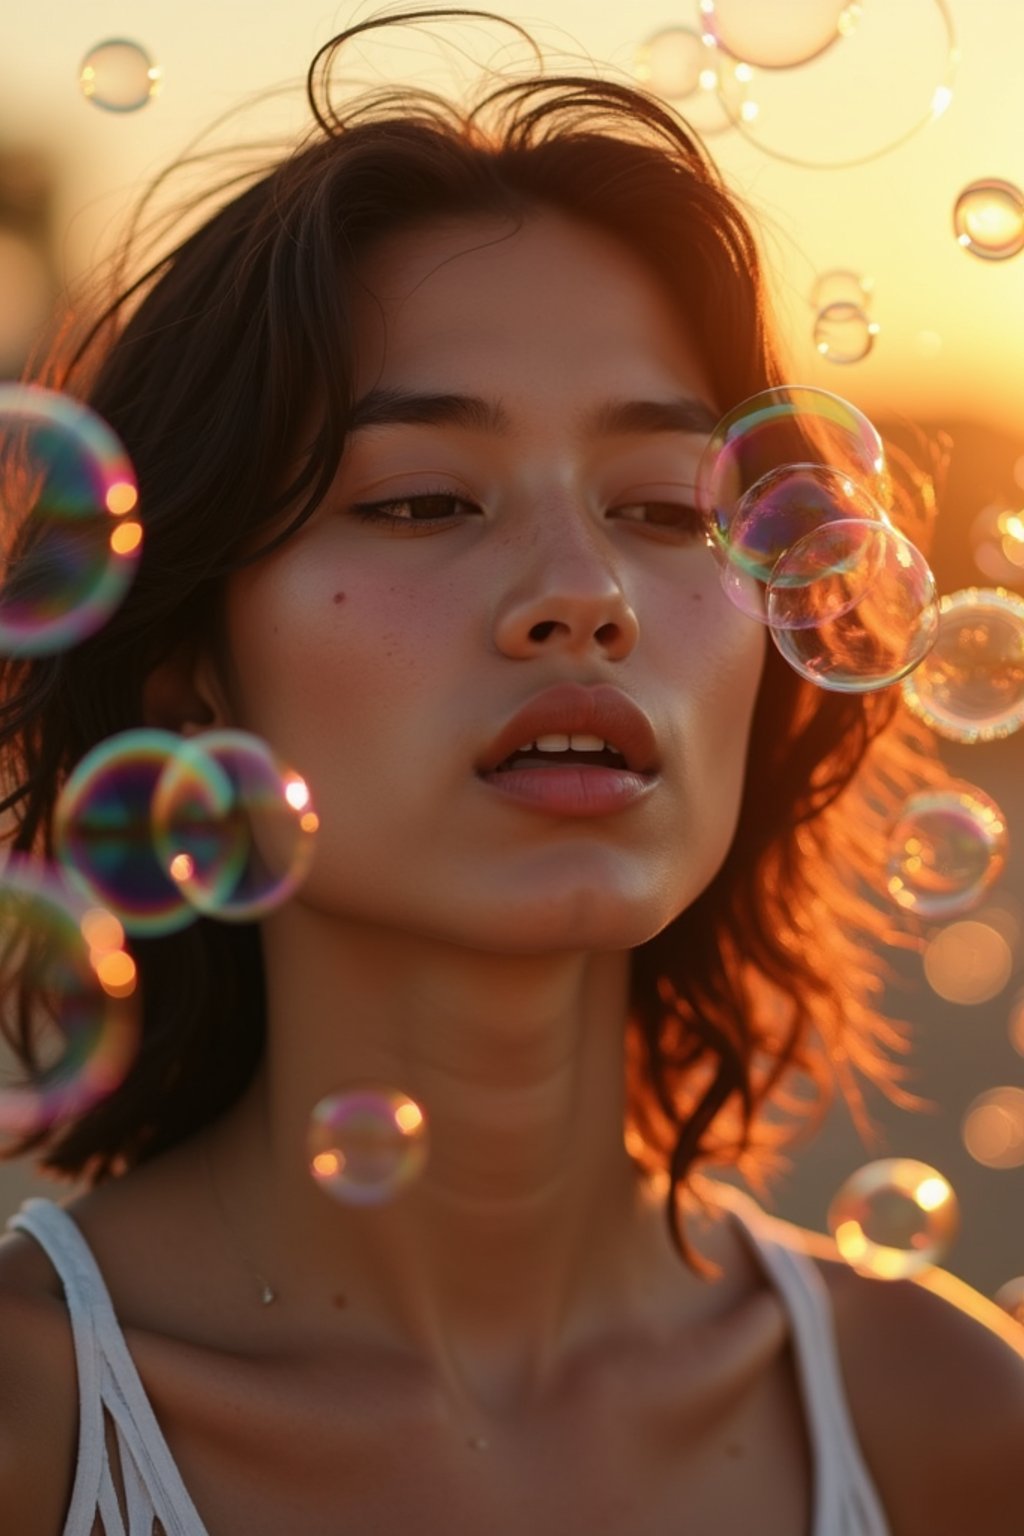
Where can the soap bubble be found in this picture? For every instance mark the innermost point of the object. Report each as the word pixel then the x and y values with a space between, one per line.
pixel 367 1144
pixel 793 426
pixel 894 1218
pixel 751 31
pixel 680 65
pixel 233 825
pixel 967 963
pixel 851 606
pixel 67 489
pixel 988 219
pixel 841 285
pixel 945 849
pixel 119 76
pixel 997 539
pixel 877 85
pixel 85 1024
pixel 103 832
pixel 993 1128
pixel 970 687
pixel 843 333
pixel 1011 1298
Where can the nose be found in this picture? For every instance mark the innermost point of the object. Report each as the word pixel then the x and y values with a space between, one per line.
pixel 569 599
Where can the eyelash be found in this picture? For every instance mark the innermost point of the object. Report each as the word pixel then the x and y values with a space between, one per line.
pixel 374 512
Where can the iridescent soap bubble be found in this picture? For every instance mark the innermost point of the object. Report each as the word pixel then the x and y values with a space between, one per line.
pixel 234 826
pixel 945 849
pixel 841 285
pixel 968 963
pixel 67 492
pixel 790 427
pixel 894 1218
pixel 366 1144
pixel 755 33
pixel 843 332
pixel 970 687
pixel 119 76
pixel 988 219
pixel 682 65
pixel 85 1018
pixel 851 606
pixel 993 1128
pixel 1011 1298
pixel 776 513
pixel 103 831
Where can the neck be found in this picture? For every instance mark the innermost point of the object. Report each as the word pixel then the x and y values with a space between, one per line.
pixel 527 1231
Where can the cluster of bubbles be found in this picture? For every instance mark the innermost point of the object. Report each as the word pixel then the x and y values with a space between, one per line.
pixel 868 77
pixel 118 75
pixel 366 1144
pixel 843 330
pixel 163 829
pixel 792 487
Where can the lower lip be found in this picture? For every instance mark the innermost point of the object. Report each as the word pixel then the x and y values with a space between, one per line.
pixel 572 791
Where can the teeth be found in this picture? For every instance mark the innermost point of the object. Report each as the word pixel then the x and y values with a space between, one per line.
pixel 559 742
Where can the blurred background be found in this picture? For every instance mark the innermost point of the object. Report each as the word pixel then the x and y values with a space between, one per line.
pixel 857 137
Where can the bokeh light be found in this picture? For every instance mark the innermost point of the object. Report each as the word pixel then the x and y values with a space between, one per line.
pixel 988 219
pixel 968 962
pixel 366 1144
pixel 970 687
pixel 993 1128
pixel 1015 1026
pixel 945 849
pixel 85 1020
pixel 233 825
pixel 894 1218
pixel 67 491
pixel 851 606
pixel 118 75
pixel 103 831
pixel 843 333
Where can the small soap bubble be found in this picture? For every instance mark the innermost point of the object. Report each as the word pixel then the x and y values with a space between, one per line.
pixel 85 1021
pixel 970 686
pixel 1011 1298
pixel 789 427
pixel 988 219
pixel 103 831
pixel 894 1218
pixel 751 31
pixel 843 332
pixel 366 1144
pixel 841 285
pixel 945 849
pixel 234 826
pixel 671 61
pixel 67 495
pixel 851 606
pixel 993 1128
pixel 119 76
pixel 967 963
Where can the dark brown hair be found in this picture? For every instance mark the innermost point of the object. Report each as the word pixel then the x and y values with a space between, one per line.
pixel 210 366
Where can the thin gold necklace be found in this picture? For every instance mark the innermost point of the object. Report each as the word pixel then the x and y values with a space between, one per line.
pixel 268 1294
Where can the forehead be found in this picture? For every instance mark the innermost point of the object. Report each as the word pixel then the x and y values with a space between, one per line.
pixel 554 302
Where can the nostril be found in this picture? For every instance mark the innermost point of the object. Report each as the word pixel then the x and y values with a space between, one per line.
pixel 541 631
pixel 607 634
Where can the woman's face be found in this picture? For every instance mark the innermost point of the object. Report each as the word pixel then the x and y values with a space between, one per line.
pixel 523 547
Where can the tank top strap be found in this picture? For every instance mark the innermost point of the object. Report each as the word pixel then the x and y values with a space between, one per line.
pixel 108 1382
pixel 845 1498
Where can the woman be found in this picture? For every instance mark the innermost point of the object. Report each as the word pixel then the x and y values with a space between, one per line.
pixel 406 521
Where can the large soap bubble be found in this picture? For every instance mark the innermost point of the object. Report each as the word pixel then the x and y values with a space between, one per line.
pixel 970 687
pixel 85 1025
pixel 945 849
pixel 755 33
pixel 67 495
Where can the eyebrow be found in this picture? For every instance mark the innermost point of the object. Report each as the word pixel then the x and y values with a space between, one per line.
pixel 383 407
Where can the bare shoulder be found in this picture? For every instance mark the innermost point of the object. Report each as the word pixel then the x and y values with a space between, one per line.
pixel 934 1375
pixel 38 1392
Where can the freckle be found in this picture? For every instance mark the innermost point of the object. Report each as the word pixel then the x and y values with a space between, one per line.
pixel 697 597
pixel 339 597
pixel 339 1299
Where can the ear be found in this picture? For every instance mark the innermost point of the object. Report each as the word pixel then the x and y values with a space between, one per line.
pixel 183 694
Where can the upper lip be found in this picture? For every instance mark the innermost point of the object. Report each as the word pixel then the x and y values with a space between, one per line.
pixel 596 710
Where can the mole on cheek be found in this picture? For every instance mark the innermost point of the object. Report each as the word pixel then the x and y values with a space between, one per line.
pixel 339 597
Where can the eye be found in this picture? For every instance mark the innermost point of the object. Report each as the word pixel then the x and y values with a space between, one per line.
pixel 428 507
pixel 676 516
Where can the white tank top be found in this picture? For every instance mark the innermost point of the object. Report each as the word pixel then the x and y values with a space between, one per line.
pixel 110 1391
